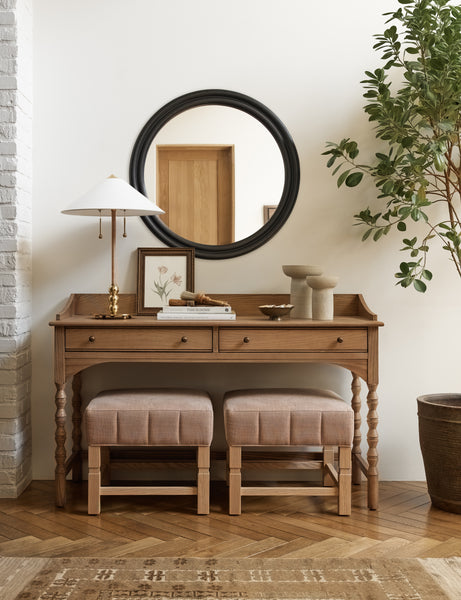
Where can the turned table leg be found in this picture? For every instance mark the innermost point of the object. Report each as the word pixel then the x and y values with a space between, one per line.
pixel 60 437
pixel 356 404
pixel 77 427
pixel 372 437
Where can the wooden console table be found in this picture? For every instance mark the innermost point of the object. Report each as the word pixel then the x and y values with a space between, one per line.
pixel 350 341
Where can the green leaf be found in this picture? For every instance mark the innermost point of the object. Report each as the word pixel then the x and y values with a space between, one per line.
pixel 401 226
pixel 336 169
pixel 439 162
pixel 378 233
pixel 404 211
pixel 366 235
pixel 354 179
pixel 426 274
pixel 388 187
pixel 342 177
pixel 419 285
pixel 404 268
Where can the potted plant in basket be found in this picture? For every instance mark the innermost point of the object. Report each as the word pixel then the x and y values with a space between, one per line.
pixel 414 100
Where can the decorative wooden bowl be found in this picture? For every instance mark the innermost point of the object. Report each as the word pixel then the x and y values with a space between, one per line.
pixel 275 312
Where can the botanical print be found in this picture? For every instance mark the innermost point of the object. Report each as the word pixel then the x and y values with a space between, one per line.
pixel 164 284
pixel 165 278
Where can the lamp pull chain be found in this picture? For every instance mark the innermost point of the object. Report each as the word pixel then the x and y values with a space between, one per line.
pixel 124 226
pixel 100 226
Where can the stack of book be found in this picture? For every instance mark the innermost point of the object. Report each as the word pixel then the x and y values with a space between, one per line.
pixel 204 313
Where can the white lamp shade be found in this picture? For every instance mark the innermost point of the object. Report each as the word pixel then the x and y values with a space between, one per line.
pixel 113 194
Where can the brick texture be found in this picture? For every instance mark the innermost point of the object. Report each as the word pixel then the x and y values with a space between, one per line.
pixel 15 243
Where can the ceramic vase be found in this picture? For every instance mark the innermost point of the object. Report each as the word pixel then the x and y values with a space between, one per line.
pixel 322 297
pixel 300 292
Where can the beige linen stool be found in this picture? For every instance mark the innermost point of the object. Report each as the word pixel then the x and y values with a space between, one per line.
pixel 289 417
pixel 149 417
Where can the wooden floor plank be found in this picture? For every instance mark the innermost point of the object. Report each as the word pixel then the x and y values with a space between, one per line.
pixel 32 524
pixel 284 549
pixel 451 547
pixel 255 549
pixel 23 545
pixel 419 548
pixel 132 548
pixel 388 547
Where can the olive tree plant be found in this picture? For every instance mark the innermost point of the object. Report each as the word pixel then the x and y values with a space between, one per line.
pixel 414 100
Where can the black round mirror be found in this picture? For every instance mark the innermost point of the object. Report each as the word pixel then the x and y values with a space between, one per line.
pixel 191 168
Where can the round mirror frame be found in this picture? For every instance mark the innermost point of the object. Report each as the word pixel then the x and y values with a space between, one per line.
pixel 265 116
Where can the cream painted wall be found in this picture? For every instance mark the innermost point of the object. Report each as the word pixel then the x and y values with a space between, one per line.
pixel 102 68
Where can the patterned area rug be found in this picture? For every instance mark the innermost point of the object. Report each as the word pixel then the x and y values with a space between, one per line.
pixel 229 579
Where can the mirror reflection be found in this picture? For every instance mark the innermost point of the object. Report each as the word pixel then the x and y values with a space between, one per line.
pixel 228 148
pixel 214 170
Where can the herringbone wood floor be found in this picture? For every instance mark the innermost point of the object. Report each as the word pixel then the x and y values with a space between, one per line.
pixel 405 525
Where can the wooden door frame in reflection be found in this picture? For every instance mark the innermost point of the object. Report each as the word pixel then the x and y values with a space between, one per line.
pixel 195 187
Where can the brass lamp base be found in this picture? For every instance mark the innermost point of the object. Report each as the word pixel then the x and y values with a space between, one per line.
pixel 113 306
pixel 105 316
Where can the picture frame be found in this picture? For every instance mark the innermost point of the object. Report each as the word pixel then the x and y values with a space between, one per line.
pixel 269 210
pixel 163 273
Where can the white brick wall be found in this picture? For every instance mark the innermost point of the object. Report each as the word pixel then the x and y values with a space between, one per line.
pixel 15 244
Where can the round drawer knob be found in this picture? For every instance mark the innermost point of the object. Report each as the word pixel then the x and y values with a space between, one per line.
pixel 91 339
pixel 339 340
pixel 246 340
pixel 184 339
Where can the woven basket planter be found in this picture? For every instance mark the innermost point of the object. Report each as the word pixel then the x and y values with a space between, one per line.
pixel 440 439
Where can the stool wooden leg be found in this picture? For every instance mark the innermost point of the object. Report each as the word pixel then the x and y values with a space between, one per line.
pixel 105 465
pixel 94 480
pixel 328 457
pixel 356 449
pixel 344 481
pixel 77 427
pixel 235 480
pixel 203 480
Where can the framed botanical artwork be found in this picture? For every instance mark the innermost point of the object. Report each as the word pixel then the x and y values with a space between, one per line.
pixel 163 273
pixel 269 210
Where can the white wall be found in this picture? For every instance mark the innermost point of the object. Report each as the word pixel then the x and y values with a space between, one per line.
pixel 103 68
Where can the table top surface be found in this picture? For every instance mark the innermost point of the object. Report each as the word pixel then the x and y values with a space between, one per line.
pixel 350 311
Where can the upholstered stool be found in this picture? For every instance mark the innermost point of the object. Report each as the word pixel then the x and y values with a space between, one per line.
pixel 149 417
pixel 290 417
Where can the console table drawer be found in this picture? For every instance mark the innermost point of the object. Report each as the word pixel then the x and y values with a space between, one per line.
pixel 158 338
pixel 294 340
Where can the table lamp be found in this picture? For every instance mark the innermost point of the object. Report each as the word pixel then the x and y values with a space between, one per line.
pixel 113 198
